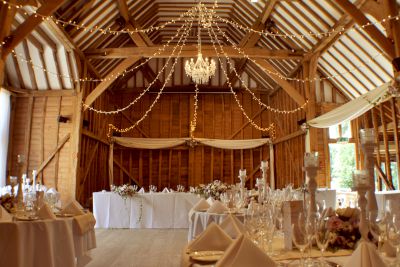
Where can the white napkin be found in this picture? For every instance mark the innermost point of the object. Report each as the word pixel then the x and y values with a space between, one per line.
pixel 52 190
pixel 210 200
pixel 141 191
pixel 243 252
pixel 73 208
pixel 45 212
pixel 232 226
pixel 213 238
pixel 165 190
pixel 4 215
pixel 217 207
pixel 366 255
pixel 201 205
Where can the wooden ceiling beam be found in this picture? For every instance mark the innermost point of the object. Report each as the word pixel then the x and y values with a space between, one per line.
pixel 372 31
pixel 290 90
pixel 31 23
pixel 109 79
pixel 191 51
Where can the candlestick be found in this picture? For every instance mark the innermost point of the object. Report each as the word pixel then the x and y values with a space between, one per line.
pixel 264 164
pixel 361 185
pixel 242 172
pixel 311 159
pixel 311 168
pixel 34 174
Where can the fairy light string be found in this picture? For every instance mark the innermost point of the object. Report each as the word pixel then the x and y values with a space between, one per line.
pixel 271 127
pixel 193 122
pixel 132 103
pixel 112 127
pixel 99 29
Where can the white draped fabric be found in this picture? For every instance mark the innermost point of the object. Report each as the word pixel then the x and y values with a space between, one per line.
pixel 352 109
pixel 4 131
pixel 161 143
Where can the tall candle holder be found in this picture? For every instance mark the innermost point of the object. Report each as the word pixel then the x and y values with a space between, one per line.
pixel 311 166
pixel 20 195
pixel 242 177
pixel 361 184
pixel 367 138
pixel 260 183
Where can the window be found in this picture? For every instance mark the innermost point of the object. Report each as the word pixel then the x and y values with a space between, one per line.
pixel 342 155
pixel 4 129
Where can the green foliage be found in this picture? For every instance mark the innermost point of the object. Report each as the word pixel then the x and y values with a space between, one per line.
pixel 342 157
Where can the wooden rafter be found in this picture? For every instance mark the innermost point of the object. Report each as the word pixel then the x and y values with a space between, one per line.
pixel 371 30
pixel 28 25
pixel 191 51
pixel 109 79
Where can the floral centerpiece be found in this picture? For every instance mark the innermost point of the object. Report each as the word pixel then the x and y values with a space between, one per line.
pixel 7 201
pixel 125 190
pixel 213 189
pixel 343 226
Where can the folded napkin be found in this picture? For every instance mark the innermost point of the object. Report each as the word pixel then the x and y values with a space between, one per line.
pixel 366 255
pixel 45 212
pixel 232 226
pixel 201 205
pixel 85 222
pixel 73 208
pixel 217 207
pixel 4 215
pixel 243 252
pixel 52 191
pixel 213 238
pixel 210 200
pixel 141 191
pixel 165 190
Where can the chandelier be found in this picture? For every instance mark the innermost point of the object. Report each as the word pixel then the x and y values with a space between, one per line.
pixel 201 70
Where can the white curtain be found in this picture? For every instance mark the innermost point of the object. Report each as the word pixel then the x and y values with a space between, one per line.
pixel 4 131
pixel 352 109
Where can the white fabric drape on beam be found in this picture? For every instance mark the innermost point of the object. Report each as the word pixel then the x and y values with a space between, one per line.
pixel 149 143
pixel 352 109
pixel 5 106
pixel 161 143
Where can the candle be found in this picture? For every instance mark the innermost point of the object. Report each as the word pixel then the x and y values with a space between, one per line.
pixel 311 159
pixel 264 164
pixel 242 172
pixel 34 174
pixel 367 136
pixel 360 178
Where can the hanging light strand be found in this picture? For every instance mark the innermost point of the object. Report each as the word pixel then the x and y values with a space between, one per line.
pixel 112 127
pixel 271 127
pixel 96 28
pixel 309 34
pixel 132 103
pixel 232 66
pixel 193 122
pixel 234 24
pixel 315 79
pixel 21 57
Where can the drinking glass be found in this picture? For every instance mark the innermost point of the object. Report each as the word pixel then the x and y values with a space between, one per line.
pixel 393 233
pixel 322 236
pixel 378 227
pixel 300 239
pixel 50 199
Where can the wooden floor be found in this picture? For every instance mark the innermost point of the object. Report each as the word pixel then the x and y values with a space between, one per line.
pixel 138 248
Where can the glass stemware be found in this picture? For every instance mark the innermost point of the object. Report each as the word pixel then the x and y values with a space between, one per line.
pixel 378 227
pixel 300 239
pixel 393 234
pixel 322 236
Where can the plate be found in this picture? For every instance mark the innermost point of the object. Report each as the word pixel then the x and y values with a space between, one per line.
pixel 26 218
pixel 206 256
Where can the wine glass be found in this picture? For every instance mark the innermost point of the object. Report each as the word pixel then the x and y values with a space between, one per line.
pixel 322 235
pixel 393 233
pixel 378 226
pixel 300 239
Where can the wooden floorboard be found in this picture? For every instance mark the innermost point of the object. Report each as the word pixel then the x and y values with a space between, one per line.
pixel 138 247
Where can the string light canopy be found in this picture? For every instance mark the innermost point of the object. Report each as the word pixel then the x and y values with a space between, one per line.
pixel 201 70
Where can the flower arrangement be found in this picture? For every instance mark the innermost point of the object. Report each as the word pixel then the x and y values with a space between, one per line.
pixel 343 226
pixel 213 189
pixel 125 190
pixel 6 201
pixel 180 188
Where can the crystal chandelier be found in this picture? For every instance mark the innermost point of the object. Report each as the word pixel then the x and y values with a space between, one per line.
pixel 200 70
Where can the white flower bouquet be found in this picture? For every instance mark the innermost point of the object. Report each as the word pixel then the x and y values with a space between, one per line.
pixel 125 190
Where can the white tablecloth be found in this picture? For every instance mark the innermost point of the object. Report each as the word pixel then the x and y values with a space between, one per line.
pixel 50 243
pixel 155 210
pixel 200 220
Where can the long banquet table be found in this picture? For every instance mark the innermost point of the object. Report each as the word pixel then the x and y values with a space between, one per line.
pixel 148 210
pixel 50 243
